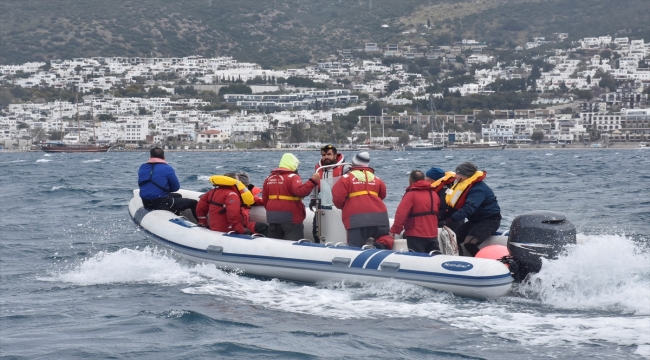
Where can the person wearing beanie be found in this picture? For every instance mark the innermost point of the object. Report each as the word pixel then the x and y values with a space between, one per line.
pixel 472 199
pixel 328 157
pixel 359 194
pixel 441 181
pixel 255 227
pixel 282 195
pixel 417 215
pixel 158 182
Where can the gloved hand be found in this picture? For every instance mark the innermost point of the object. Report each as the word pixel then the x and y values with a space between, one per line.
pixel 247 232
pixel 312 203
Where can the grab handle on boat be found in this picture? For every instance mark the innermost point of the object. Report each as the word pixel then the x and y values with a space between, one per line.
pixel 304 241
pixel 216 250
pixel 341 261
pixel 340 244
pixel 367 247
pixel 257 235
pixel 389 266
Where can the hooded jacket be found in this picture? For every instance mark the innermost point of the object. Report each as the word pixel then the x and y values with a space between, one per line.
pixel 221 209
pixel 157 179
pixel 283 192
pixel 479 204
pixel 417 212
pixel 359 194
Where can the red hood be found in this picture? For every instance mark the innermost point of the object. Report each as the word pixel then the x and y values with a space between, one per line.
pixel 282 170
pixel 419 185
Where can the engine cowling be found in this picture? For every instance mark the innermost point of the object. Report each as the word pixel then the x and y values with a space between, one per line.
pixel 539 234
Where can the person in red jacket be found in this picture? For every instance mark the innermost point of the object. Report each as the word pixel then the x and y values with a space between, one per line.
pixel 359 193
pixel 328 157
pixel 220 209
pixel 255 227
pixel 282 194
pixel 417 215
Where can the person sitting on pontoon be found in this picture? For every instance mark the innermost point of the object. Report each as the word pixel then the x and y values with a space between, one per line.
pixel 220 209
pixel 470 198
pixel 158 182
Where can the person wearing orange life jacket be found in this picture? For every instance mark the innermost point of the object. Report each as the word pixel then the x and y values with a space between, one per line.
pixel 282 194
pixel 220 209
pixel 359 194
pixel 329 156
pixel 256 227
pixel 470 198
pixel 417 215
pixel 441 181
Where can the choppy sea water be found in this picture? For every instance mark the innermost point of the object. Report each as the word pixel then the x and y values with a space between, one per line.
pixel 79 280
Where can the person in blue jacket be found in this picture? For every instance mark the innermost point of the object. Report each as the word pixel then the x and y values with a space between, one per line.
pixel 157 181
pixel 472 199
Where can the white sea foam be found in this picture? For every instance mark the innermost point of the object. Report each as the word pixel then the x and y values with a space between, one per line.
pixel 400 159
pixel 55 188
pixel 449 157
pixel 132 266
pixel 203 177
pixel 260 166
pixel 549 154
pixel 218 166
pixel 43 160
pixel 607 293
pixel 47 155
pixel 92 161
pixel 16 161
pixel 606 273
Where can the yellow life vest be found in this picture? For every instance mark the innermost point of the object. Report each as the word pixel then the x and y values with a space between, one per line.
pixel 448 175
pixel 246 196
pixel 456 191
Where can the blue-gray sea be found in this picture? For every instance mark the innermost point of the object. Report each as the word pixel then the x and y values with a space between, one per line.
pixel 79 280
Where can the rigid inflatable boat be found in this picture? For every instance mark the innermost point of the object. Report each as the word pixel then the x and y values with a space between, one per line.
pixel 532 236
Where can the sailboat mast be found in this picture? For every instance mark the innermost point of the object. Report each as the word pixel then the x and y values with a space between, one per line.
pixel 61 115
pixel 92 115
pixel 76 100
pixel 369 132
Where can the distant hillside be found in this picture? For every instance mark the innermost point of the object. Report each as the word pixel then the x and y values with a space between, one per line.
pixel 288 32
pixel 501 21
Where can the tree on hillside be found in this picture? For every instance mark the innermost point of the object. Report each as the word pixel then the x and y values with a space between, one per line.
pixel 235 89
pixel 537 136
pixel 393 85
pixel 374 108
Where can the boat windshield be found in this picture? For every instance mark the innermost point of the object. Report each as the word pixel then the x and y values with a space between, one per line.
pixel 326 190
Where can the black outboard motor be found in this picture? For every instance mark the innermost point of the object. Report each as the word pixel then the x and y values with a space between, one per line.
pixel 535 235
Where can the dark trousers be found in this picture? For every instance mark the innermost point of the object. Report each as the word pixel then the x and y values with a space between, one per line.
pixel 480 230
pixel 261 228
pixel 358 236
pixel 422 245
pixel 287 231
pixel 174 203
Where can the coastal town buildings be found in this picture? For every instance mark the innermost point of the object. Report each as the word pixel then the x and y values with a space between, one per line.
pixel 103 114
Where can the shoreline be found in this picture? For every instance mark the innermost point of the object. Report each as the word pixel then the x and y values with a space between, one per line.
pixel 546 148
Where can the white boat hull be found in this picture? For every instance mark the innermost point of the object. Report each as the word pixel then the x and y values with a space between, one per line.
pixel 308 262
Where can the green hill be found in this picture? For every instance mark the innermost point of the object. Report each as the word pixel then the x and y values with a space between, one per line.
pixel 289 32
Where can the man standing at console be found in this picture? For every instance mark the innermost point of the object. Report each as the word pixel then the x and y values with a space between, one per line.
pixel 157 181
pixel 328 157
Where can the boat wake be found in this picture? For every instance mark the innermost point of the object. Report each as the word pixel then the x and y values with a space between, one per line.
pixel 591 295
pixel 92 161
pixel 43 160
